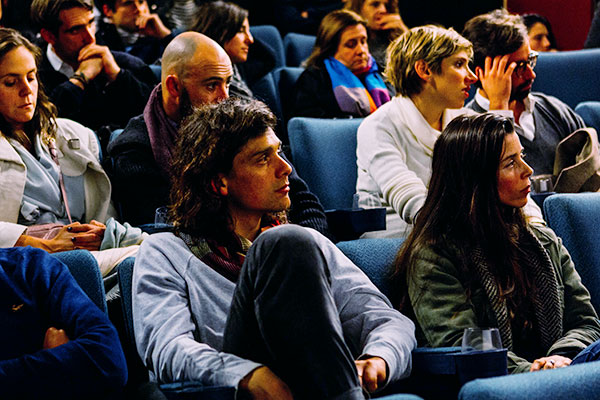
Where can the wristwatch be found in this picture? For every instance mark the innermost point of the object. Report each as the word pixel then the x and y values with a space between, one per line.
pixel 79 76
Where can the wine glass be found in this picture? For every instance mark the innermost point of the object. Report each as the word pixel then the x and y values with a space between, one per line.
pixel 481 339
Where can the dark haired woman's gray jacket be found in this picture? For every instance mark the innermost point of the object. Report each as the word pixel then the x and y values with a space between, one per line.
pixel 443 310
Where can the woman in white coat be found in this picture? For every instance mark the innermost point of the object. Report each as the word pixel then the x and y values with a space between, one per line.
pixel 53 190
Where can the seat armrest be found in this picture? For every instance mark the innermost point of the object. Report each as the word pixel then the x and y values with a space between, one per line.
pixel 349 224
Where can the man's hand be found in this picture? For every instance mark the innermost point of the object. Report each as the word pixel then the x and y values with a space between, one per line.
pixel 496 81
pixel 110 68
pixel 263 384
pixel 90 68
pixel 372 372
pixel 54 338
pixel 551 362
pixel 151 25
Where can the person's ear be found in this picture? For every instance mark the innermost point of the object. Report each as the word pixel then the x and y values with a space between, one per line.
pixel 219 185
pixel 423 71
pixel 479 73
pixel 173 85
pixel 48 36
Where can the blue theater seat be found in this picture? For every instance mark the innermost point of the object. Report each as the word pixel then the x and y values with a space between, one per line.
pixel 84 268
pixel 575 217
pixel 324 153
pixel 297 48
pixel 590 112
pixel 571 76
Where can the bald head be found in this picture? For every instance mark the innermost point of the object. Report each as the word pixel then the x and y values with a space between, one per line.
pixel 187 48
pixel 195 71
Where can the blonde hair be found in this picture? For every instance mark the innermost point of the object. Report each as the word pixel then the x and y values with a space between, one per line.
pixel 429 43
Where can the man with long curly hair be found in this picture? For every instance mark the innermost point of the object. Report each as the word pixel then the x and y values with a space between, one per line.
pixel 237 297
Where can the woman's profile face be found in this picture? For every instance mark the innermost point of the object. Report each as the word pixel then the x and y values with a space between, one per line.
pixel 539 37
pixel 454 81
pixel 238 46
pixel 353 50
pixel 18 87
pixel 513 173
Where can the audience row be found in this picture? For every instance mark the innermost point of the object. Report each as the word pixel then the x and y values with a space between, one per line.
pixel 212 300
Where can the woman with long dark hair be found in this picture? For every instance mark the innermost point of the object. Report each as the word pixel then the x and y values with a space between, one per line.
pixel 472 258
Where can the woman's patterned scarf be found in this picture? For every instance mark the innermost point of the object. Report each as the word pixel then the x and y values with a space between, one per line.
pixel 546 301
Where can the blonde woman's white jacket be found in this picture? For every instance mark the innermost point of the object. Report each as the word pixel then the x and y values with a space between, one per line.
pixel 75 159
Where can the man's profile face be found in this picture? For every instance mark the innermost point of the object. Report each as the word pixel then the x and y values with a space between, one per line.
pixel 258 181
pixel 127 12
pixel 207 80
pixel 521 82
pixel 77 29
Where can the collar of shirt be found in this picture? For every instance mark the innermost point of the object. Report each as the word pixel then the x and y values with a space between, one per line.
pixel 526 121
pixel 57 63
pixel 128 38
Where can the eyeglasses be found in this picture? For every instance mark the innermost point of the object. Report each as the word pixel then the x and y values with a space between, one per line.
pixel 531 61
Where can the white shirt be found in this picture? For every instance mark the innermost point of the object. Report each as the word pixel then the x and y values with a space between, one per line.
pixel 526 121
pixel 57 63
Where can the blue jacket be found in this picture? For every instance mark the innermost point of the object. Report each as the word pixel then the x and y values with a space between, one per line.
pixel 37 291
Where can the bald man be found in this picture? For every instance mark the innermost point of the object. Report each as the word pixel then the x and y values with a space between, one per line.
pixel 195 71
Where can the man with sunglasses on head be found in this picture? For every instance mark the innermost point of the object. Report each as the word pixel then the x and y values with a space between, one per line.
pixel 500 43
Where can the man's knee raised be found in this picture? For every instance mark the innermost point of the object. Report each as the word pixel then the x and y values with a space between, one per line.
pixel 288 236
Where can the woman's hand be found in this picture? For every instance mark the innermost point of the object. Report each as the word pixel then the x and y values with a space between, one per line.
pixel 82 236
pixel 70 237
pixel 389 21
pixel 551 362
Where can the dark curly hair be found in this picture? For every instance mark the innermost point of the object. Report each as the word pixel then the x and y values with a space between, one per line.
pixel 209 140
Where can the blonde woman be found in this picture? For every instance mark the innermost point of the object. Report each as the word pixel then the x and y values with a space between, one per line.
pixel 429 67
pixel 53 188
